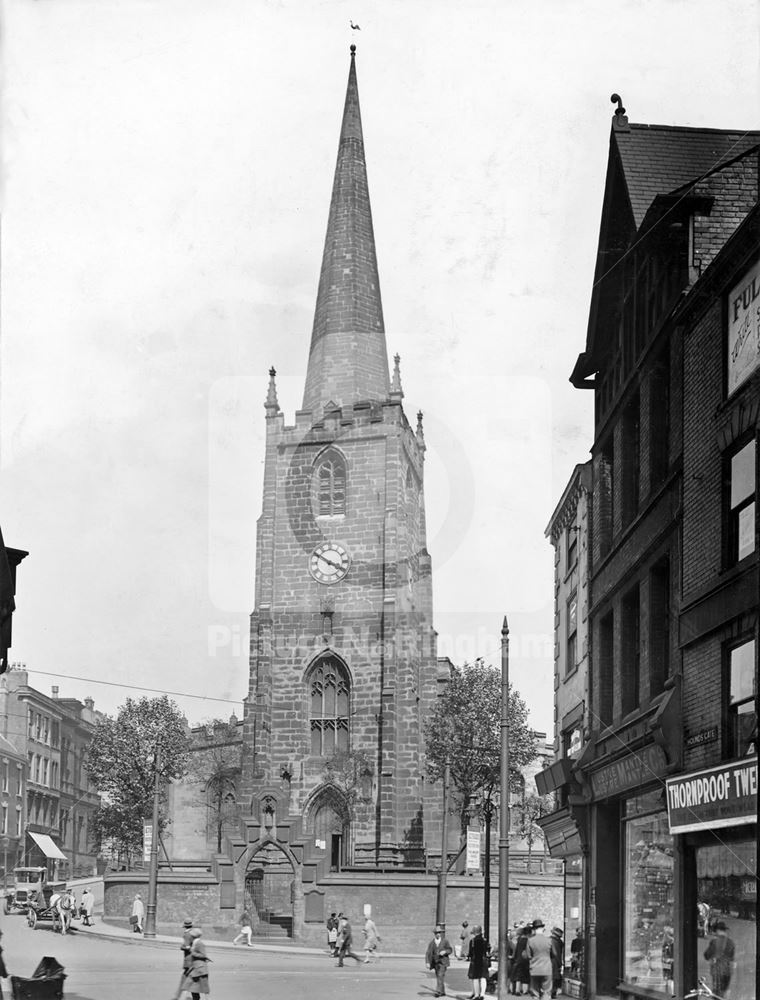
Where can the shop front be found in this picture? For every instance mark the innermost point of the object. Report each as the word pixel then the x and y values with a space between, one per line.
pixel 712 818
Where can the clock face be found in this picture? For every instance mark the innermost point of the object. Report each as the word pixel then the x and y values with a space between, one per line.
pixel 329 562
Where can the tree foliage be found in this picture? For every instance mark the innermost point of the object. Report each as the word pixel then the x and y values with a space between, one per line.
pixel 121 759
pixel 465 731
pixel 216 766
pixel 347 769
pixel 531 810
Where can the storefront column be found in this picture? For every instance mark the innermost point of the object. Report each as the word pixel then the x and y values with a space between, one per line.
pixel 685 930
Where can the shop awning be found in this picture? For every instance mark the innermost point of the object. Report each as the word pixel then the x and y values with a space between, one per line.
pixel 48 846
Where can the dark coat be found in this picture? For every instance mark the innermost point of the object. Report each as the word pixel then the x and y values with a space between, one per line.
pixel 521 971
pixel 557 946
pixel 478 955
pixel 196 978
pixel 437 955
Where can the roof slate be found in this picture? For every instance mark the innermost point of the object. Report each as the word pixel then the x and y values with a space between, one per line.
pixel 659 159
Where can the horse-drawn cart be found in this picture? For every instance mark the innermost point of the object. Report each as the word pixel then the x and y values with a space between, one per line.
pixel 52 902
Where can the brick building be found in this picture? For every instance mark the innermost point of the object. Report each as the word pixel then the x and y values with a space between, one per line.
pixel 343 656
pixel 50 734
pixel 672 198
pixel 566 837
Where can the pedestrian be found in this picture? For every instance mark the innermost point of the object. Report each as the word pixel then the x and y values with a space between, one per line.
pixel 346 944
pixel 557 950
pixel 371 939
pixel 576 952
pixel 479 956
pixel 540 960
pixel 86 907
pixel 185 947
pixel 332 934
pixel 720 954
pixel 246 929
pixel 437 958
pixel 3 970
pixel 196 979
pixel 138 913
pixel 465 936
pixel 521 966
pixel 667 959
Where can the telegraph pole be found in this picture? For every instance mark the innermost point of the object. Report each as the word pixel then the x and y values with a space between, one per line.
pixel 503 991
pixel 150 911
pixel 440 908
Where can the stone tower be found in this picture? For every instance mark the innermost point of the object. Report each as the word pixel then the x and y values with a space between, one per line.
pixel 343 663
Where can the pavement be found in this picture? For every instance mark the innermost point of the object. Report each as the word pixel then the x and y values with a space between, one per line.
pixel 124 934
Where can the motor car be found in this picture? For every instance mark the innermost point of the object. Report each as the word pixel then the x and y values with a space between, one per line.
pixel 26 881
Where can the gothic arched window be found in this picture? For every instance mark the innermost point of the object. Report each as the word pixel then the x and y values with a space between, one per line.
pixel 330 484
pixel 328 708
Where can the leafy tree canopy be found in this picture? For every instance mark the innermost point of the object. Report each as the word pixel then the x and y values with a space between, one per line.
pixel 121 758
pixel 465 731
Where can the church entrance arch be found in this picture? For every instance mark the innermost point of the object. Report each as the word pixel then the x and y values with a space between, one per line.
pixel 330 822
pixel 269 891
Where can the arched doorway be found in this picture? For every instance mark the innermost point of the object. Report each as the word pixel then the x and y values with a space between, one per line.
pixel 329 821
pixel 269 891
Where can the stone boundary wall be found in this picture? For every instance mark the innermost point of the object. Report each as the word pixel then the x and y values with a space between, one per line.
pixel 403 905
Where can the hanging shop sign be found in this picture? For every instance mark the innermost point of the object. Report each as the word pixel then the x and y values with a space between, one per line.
pixel 720 796
pixel 743 341
pixel 632 771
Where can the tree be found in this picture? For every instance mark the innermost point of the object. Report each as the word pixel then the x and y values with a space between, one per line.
pixel 530 811
pixel 348 770
pixel 216 766
pixel 465 731
pixel 121 761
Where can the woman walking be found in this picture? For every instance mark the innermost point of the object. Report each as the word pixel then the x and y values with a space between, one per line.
pixel 521 968
pixel 196 979
pixel 479 956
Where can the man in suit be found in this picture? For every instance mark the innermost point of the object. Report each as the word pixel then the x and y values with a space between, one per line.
pixel 437 958
pixel 346 944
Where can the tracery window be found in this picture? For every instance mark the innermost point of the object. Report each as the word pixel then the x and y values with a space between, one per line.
pixel 330 484
pixel 329 695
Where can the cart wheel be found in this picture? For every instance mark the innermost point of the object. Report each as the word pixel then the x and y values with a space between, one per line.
pixel 31 917
pixel 7 905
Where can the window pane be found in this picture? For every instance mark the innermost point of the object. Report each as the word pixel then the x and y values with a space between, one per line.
pixel 742 671
pixel 648 917
pixel 330 699
pixel 746 532
pixel 572 615
pixel 316 741
pixel 743 474
pixel 329 744
pixel 342 711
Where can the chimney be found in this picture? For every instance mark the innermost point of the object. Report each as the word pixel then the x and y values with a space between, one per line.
pixel 55 690
pixel 89 703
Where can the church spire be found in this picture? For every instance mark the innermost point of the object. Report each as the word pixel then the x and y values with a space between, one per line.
pixel 348 360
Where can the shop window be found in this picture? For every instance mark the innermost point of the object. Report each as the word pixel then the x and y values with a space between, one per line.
pixel 659 626
pixel 571 663
pixel 18 821
pixel 742 700
pixel 329 695
pixel 630 653
pixel 648 896
pixel 727 893
pixel 330 484
pixel 606 669
pixel 740 503
pixel 630 461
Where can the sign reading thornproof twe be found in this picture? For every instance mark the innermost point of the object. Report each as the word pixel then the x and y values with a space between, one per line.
pixel 473 849
pixel 743 342
pixel 720 796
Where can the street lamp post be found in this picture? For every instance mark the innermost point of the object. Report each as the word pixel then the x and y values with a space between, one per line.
pixel 487 816
pixel 150 911
pixel 503 991
pixel 440 909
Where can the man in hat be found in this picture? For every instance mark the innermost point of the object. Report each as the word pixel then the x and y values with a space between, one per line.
pixel 721 954
pixel 437 958
pixel 346 943
pixel 540 959
pixel 557 946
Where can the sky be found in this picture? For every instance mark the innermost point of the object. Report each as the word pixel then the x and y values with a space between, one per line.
pixel 166 176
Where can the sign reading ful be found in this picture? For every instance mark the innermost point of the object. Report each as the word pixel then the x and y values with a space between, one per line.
pixel 743 340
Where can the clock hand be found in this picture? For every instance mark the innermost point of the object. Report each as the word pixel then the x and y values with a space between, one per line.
pixel 331 562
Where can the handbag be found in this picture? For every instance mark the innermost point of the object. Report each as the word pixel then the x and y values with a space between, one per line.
pixel 133 919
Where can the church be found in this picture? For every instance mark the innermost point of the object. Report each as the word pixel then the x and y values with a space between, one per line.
pixel 343 665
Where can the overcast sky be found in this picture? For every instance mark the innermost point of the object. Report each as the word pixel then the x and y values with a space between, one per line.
pixel 167 168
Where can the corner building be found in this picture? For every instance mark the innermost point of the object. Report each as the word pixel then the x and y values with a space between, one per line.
pixel 342 655
pixel 673 198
